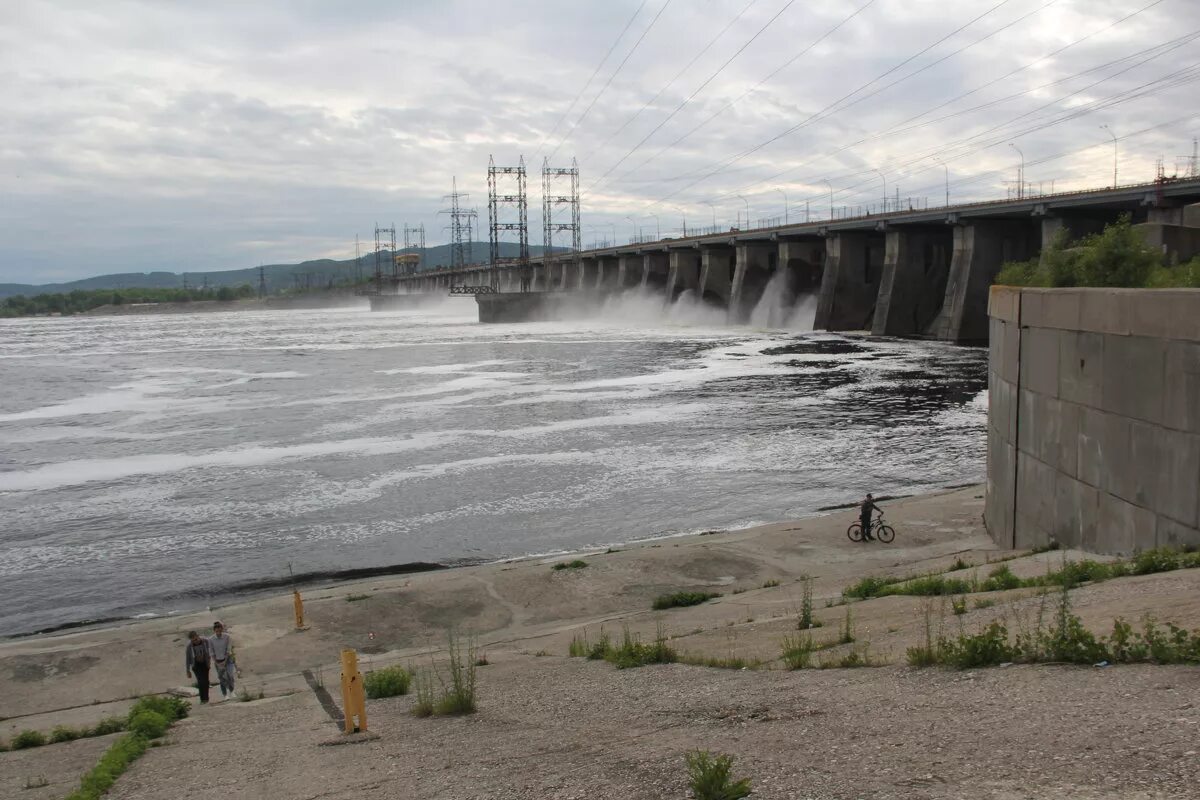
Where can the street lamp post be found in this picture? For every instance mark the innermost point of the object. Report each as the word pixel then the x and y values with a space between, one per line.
pixel 632 222
pixel 785 205
pixel 657 226
pixel 1114 138
pixel 714 210
pixel 747 202
pixel 830 185
pixel 943 163
pixel 683 216
pixel 1020 173
pixel 884 178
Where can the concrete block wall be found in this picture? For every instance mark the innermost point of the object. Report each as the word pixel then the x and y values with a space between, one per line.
pixel 1094 418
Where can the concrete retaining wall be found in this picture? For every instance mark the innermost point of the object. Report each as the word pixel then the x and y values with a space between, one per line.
pixel 1094 418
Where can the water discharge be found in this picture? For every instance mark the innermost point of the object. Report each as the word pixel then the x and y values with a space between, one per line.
pixel 154 464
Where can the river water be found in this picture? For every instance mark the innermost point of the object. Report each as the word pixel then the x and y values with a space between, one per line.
pixel 153 464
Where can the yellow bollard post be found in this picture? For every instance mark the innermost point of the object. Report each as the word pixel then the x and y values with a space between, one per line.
pixel 354 700
pixel 299 605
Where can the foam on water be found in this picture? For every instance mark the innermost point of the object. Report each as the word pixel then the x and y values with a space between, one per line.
pixel 134 446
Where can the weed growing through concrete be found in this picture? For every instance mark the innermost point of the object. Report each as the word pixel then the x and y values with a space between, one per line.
pixel 983 602
pixel 148 719
pixel 959 606
pixel 806 620
pixel 423 690
pixel 26 739
pixel 846 633
pixel 797 651
pixel 1063 640
pixel 576 564
pixel 1070 574
pixel 36 782
pixel 458 695
pixel 387 682
pixel 710 777
pixel 771 584
pixel 354 598
pixel 681 599
pixel 716 662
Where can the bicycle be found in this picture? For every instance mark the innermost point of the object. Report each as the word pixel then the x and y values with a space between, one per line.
pixel 883 532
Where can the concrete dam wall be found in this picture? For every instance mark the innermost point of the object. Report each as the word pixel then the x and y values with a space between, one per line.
pixel 1094 418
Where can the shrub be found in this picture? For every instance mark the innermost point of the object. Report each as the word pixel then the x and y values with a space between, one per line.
pixel 387 682
pixel 771 584
pixel 680 599
pixel 62 733
pixel 1158 559
pixel 173 708
pixel 870 586
pixel 1000 579
pixel 959 606
pixel 1117 257
pixel 960 564
pixel 710 777
pixel 601 648
pixel 107 725
pixel 149 724
pixel 576 564
pixel 27 739
pixel 984 649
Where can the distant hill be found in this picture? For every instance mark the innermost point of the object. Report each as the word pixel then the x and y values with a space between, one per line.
pixel 278 276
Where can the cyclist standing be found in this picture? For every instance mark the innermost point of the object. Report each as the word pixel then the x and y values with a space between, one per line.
pixel 864 516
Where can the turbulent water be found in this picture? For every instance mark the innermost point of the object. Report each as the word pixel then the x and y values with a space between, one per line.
pixel 151 464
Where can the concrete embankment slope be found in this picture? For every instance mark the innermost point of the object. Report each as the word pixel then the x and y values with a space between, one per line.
pixel 1094 418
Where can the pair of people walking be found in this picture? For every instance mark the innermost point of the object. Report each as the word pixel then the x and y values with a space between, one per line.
pixel 215 651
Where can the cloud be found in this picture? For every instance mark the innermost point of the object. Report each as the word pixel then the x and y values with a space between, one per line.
pixel 172 135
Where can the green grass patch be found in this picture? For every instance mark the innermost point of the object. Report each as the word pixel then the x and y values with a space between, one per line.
pixel 711 777
pixel 682 599
pixel 797 651
pixel 387 682
pixel 716 662
pixel 576 564
pixel 354 598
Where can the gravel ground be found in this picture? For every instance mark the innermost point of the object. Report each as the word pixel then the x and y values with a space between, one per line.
pixel 553 727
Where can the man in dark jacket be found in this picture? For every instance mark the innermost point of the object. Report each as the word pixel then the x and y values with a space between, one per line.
pixel 198 657
pixel 864 517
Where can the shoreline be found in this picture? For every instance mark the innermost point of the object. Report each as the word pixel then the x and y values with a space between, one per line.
pixel 263 588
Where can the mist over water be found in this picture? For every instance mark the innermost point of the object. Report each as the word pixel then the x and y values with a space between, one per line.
pixel 151 464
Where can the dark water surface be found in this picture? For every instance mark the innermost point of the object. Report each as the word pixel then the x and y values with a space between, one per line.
pixel 158 463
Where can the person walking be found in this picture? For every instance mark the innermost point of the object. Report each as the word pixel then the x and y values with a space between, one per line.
pixel 224 658
pixel 198 655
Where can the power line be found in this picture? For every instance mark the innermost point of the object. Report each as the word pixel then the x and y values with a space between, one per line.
pixel 681 73
pixel 608 83
pixel 699 89
pixel 595 72
pixel 734 159
pixel 900 129
pixel 743 95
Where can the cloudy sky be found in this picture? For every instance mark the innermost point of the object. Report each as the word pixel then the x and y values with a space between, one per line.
pixel 218 135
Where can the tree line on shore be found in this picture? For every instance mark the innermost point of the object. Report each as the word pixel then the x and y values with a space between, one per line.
pixel 81 300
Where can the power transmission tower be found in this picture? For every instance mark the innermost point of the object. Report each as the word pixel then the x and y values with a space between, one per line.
pixel 495 225
pixel 414 239
pixel 385 246
pixel 551 178
pixel 357 261
pixel 461 221
pixel 262 282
